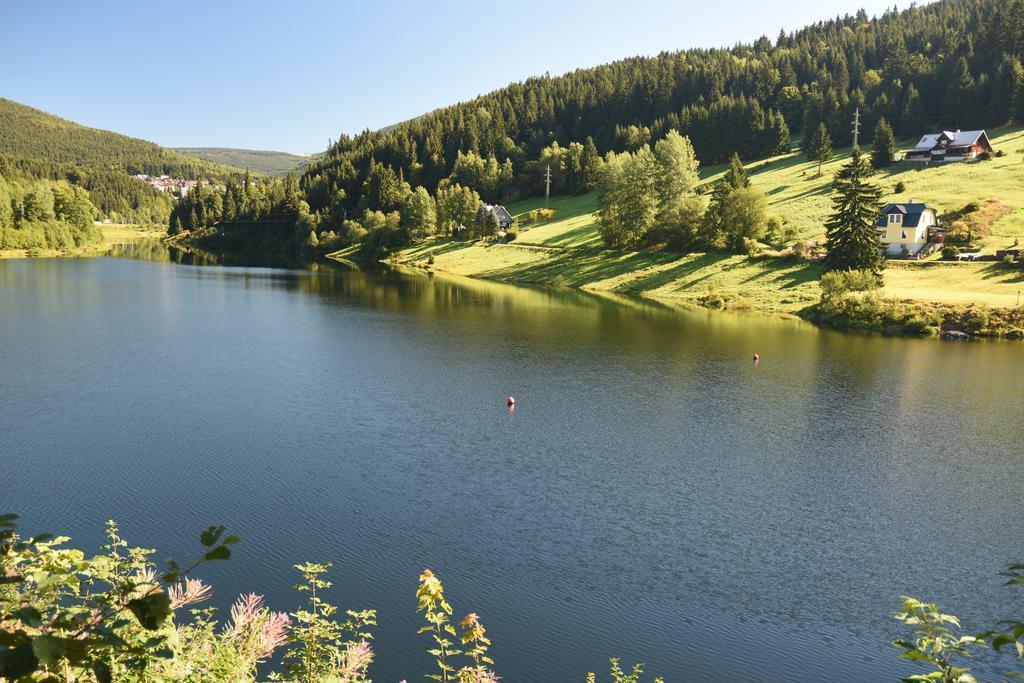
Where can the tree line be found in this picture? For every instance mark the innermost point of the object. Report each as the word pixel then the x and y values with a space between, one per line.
pixel 45 214
pixel 955 63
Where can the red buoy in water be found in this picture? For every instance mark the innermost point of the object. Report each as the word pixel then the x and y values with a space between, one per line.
pixel 511 401
pixel 757 358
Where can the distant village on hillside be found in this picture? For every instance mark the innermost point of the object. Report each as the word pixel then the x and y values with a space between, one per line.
pixel 177 186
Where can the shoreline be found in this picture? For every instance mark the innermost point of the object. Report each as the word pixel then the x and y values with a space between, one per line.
pixel 875 314
pixel 113 235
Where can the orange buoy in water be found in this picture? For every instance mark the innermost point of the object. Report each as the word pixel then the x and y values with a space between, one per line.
pixel 757 359
pixel 511 401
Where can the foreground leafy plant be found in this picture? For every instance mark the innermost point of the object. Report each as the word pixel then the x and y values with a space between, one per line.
pixel 65 615
pixel 620 676
pixel 436 610
pixel 327 649
pixel 935 643
pixel 68 617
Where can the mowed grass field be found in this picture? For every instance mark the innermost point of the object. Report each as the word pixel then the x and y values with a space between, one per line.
pixel 568 251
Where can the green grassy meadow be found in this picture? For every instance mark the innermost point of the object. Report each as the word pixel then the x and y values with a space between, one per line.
pixel 568 251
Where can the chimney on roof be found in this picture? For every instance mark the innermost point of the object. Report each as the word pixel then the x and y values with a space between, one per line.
pixel 911 201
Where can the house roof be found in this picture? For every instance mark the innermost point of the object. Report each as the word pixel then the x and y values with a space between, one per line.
pixel 927 142
pixel 955 138
pixel 503 213
pixel 964 138
pixel 912 213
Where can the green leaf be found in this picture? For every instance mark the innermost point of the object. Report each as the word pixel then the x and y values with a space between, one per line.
pixel 5 520
pixel 152 610
pixel 10 579
pixel 17 662
pixel 103 673
pixel 30 616
pixel 221 552
pixel 211 535
pixel 49 649
pixel 228 540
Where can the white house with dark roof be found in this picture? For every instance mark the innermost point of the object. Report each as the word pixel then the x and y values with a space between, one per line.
pixel 911 226
pixel 960 145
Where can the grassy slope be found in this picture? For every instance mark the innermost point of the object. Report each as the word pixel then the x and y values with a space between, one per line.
pixel 258 161
pixel 567 251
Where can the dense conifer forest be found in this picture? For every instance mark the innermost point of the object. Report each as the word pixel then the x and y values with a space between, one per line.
pixel 951 64
pixel 955 63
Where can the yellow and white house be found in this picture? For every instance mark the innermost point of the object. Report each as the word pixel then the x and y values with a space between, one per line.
pixel 910 226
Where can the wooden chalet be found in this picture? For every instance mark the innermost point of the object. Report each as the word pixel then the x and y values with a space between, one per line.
pixel 960 145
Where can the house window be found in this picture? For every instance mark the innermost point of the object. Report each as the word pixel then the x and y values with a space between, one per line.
pixel 895 218
pixel 903 234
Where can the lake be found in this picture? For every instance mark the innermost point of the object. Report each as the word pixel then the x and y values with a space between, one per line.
pixel 654 495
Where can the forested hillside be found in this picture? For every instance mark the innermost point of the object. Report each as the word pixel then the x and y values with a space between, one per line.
pixel 44 146
pixel 955 63
pixel 257 161
pixel 29 133
pixel 951 64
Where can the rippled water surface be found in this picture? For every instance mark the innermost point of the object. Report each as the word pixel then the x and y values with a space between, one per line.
pixel 654 495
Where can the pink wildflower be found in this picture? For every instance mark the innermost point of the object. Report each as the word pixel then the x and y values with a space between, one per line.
pixel 244 611
pixel 188 593
pixel 273 633
pixel 356 660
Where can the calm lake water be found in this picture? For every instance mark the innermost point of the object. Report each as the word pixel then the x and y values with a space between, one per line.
pixel 654 496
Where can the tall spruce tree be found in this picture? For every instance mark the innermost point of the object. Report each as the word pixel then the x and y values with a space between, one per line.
pixel 715 229
pixel 592 163
pixel 852 238
pixel 883 148
pixel 820 147
pixel 778 134
pixel 959 102
pixel 736 177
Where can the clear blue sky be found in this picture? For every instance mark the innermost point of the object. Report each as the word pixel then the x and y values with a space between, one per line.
pixel 288 75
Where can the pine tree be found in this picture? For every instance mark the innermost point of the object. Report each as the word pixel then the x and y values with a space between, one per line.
pixel 915 117
pixel 959 94
pixel 778 134
pixel 820 147
pixel 736 177
pixel 491 223
pixel 480 220
pixel 883 150
pixel 852 239
pixel 715 229
pixel 591 163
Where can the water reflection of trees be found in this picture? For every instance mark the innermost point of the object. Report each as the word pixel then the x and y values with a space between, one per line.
pixel 164 252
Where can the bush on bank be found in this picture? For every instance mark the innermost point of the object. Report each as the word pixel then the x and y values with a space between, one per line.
pixel 114 616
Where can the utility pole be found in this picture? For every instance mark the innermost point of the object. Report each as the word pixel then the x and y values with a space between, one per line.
pixel 547 185
pixel 856 127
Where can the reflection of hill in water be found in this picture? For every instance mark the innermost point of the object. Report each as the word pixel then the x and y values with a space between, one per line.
pixel 160 251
